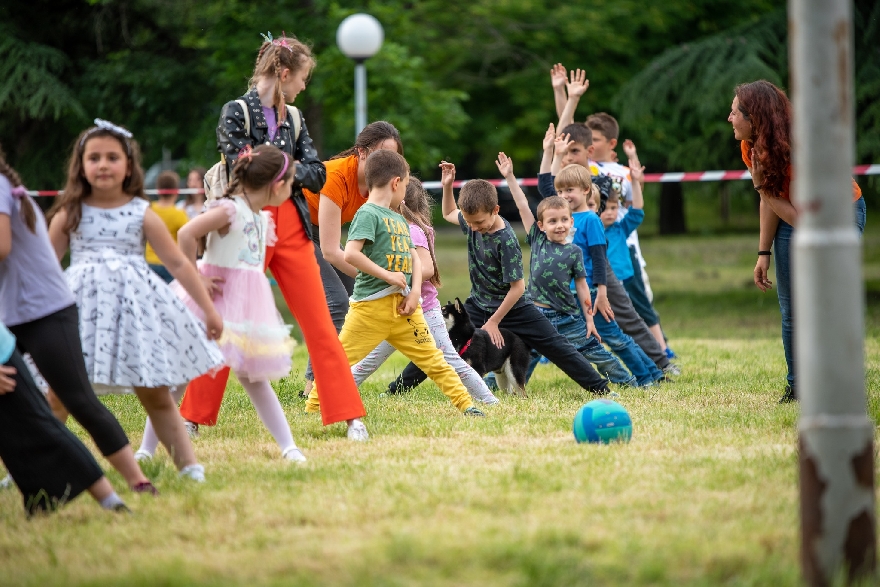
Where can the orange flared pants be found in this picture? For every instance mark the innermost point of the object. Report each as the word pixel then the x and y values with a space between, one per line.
pixel 293 264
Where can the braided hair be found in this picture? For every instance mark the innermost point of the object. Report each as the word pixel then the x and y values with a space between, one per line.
pixel 276 55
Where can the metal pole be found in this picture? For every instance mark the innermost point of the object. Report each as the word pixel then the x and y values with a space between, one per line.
pixel 360 97
pixel 835 436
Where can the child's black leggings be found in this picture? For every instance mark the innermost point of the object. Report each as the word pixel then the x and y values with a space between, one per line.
pixel 54 345
pixel 528 323
pixel 47 462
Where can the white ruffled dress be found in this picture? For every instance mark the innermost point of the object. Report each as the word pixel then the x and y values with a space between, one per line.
pixel 135 332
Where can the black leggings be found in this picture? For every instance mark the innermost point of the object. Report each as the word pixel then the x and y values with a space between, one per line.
pixel 47 462
pixel 53 343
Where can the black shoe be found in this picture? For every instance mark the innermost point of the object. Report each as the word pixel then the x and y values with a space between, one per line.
pixel 789 396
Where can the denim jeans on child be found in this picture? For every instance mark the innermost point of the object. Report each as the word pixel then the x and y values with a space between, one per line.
pixel 632 355
pixel 574 328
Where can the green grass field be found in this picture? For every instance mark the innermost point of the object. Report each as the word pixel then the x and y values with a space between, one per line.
pixel 705 494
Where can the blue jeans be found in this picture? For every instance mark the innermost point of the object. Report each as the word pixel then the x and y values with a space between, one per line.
pixel 574 328
pixel 782 252
pixel 632 355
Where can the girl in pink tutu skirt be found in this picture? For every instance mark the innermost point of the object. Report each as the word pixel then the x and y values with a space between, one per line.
pixel 255 342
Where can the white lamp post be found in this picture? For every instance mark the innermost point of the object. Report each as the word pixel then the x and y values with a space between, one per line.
pixel 360 36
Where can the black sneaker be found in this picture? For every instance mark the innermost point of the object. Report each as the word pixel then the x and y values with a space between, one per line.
pixel 472 411
pixel 790 395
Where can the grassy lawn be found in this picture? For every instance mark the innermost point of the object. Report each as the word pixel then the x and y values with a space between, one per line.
pixel 705 494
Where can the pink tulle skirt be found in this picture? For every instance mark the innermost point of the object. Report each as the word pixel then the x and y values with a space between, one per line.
pixel 256 342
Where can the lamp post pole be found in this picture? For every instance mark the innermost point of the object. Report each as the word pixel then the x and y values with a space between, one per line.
pixel 360 96
pixel 835 435
pixel 359 37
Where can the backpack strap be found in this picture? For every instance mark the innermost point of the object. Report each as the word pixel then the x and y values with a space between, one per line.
pixel 297 121
pixel 247 117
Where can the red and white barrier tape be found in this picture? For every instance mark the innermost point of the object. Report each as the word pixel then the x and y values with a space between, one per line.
pixel 671 177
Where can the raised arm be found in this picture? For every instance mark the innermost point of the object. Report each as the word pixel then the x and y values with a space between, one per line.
pixel 629 149
pixel 577 87
pixel 557 80
pixel 547 144
pixel 637 174
pixel 448 207
pixel 560 146
pixel 505 167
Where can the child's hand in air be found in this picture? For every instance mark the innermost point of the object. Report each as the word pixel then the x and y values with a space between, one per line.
pixel 629 149
pixel 396 278
pixel 409 303
pixel 579 83
pixel 557 76
pixel 494 333
pixel 213 324
pixel 561 144
pixel 7 381
pixel 447 174
pixel 505 166
pixel 637 173
pixel 212 285
pixel 549 137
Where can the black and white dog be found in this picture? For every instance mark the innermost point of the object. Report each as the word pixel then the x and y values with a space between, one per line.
pixel 509 363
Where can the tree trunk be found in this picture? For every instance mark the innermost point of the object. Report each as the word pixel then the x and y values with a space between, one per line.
pixel 672 209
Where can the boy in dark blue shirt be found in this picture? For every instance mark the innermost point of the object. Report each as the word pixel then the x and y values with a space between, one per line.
pixel 497 287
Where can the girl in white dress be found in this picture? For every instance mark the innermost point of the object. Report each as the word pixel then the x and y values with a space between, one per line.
pixel 256 342
pixel 136 334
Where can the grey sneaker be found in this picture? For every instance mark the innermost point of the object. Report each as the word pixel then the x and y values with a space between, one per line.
pixel 472 411
pixel 191 428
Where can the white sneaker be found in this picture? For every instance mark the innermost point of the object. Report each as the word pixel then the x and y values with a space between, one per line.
pixel 142 455
pixel 357 431
pixel 489 400
pixel 6 482
pixel 294 454
pixel 191 428
pixel 195 472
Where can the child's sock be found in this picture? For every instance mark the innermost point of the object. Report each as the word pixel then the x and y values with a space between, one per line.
pixel 150 441
pixel 113 502
pixel 270 412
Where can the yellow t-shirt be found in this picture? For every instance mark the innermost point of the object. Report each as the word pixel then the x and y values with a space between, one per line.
pixel 173 218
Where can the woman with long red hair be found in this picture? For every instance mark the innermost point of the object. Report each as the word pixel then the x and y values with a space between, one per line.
pixel 761 120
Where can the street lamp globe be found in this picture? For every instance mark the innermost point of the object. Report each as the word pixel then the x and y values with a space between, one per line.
pixel 359 36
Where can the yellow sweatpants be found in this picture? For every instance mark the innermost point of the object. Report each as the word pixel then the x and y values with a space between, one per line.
pixel 369 323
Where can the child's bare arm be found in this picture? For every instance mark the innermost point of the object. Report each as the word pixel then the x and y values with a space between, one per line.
pixel 557 80
pixel 583 294
pixel 355 257
pixel 547 144
pixel 637 174
pixel 516 291
pixel 448 207
pixel 577 87
pixel 629 149
pixel 505 167
pixel 60 240
pixel 411 301
pixel 188 242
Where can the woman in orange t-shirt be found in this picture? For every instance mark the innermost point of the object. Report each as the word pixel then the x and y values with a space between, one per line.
pixel 761 120
pixel 344 192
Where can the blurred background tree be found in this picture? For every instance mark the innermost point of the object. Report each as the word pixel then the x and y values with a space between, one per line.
pixel 461 80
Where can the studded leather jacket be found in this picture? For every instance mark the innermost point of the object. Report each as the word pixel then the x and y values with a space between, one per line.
pixel 231 138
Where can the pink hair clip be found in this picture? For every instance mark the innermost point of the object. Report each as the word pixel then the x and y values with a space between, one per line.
pixel 246 153
pixel 18 192
pixel 282 42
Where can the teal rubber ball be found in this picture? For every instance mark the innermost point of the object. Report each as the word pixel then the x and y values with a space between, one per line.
pixel 602 421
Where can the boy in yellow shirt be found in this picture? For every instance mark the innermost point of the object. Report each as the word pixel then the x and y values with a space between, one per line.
pixel 173 217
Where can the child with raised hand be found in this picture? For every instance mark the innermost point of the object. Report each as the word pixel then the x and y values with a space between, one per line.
pixel 136 334
pixel 575 185
pixel 385 306
pixel 256 343
pixel 173 217
pixel 416 208
pixel 38 308
pixel 497 286
pixel 573 146
pixel 554 264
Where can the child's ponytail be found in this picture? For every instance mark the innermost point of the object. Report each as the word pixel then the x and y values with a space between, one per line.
pixel 28 216
pixel 416 208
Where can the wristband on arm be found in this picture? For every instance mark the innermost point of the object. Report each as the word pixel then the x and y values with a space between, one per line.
pixel 762 253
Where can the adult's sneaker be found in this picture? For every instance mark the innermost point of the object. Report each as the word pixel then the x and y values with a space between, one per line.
pixel 357 431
